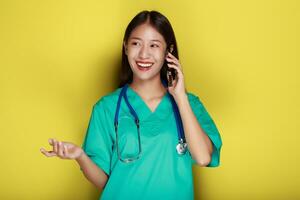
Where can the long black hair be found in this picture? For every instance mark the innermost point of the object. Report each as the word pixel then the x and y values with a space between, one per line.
pixel 163 26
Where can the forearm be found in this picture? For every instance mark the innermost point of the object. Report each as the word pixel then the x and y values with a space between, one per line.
pixel 199 144
pixel 91 171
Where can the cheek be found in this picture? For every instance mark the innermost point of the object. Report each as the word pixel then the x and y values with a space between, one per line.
pixel 158 54
pixel 131 53
pixel 160 57
pixel 131 56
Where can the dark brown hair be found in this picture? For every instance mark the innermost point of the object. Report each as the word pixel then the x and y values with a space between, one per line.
pixel 163 26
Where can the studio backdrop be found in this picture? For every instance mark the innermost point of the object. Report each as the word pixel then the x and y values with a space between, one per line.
pixel 57 58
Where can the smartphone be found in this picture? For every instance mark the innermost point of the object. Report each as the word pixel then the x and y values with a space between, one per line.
pixel 171 73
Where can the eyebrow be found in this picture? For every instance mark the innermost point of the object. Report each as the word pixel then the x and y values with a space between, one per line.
pixel 137 38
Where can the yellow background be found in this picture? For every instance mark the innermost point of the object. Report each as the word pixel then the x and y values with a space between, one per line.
pixel 58 58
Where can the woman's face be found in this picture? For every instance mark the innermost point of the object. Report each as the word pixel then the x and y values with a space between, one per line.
pixel 145 50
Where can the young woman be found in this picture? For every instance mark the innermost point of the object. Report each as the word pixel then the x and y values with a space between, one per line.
pixel 143 138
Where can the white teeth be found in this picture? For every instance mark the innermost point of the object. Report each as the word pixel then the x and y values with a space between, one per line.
pixel 144 65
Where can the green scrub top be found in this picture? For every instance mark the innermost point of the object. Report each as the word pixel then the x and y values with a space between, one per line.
pixel 160 173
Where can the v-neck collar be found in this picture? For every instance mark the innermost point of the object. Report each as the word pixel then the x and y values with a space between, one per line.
pixel 141 108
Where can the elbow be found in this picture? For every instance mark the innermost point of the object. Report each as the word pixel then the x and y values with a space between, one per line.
pixel 100 187
pixel 203 162
pixel 102 184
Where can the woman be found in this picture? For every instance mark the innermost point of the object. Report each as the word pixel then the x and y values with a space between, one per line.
pixel 143 138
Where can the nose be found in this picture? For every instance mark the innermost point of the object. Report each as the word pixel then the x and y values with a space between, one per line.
pixel 144 52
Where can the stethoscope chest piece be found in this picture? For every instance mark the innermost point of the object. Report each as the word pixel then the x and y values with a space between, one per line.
pixel 181 147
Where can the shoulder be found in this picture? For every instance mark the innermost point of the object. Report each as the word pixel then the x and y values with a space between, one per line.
pixel 193 98
pixel 108 101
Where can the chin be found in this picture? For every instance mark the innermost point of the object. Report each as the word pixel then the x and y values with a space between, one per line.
pixel 150 75
pixel 146 77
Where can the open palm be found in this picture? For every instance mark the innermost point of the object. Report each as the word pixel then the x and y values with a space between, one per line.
pixel 64 150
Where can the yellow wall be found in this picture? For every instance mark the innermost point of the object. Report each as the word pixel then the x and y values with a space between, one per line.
pixel 57 58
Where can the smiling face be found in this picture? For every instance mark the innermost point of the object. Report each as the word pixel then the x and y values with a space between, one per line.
pixel 145 50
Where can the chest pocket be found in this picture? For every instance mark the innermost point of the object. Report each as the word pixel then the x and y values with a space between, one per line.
pixel 127 136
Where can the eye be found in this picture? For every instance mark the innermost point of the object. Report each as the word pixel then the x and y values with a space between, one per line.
pixel 134 43
pixel 154 45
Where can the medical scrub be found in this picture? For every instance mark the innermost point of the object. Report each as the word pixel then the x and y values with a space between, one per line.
pixel 160 173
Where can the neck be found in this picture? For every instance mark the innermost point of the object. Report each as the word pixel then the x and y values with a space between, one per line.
pixel 148 89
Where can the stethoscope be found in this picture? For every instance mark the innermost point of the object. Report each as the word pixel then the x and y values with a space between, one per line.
pixel 181 147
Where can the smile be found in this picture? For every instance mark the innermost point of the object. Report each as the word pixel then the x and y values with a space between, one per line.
pixel 144 65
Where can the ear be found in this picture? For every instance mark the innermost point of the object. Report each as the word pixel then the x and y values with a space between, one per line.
pixel 125 48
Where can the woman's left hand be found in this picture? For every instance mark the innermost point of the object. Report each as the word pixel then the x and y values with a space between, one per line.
pixel 177 90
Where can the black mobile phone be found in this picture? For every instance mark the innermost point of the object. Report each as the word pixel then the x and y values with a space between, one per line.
pixel 171 73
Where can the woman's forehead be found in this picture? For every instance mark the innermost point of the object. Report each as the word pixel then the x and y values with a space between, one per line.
pixel 146 32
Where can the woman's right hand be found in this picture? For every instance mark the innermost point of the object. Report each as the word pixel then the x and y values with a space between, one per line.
pixel 63 150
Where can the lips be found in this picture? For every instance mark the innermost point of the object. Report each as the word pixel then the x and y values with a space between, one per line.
pixel 144 66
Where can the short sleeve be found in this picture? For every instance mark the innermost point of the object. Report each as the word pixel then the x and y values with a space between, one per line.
pixel 98 143
pixel 209 127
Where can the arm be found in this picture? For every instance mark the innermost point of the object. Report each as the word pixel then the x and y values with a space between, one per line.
pixel 199 144
pixel 67 150
pixel 91 171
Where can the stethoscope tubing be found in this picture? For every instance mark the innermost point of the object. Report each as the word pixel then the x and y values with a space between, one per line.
pixel 181 147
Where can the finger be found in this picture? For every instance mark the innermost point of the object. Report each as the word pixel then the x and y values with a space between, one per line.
pixel 60 149
pixel 66 152
pixel 172 56
pixel 179 71
pixel 48 153
pixel 175 61
pixel 50 140
pixel 55 146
